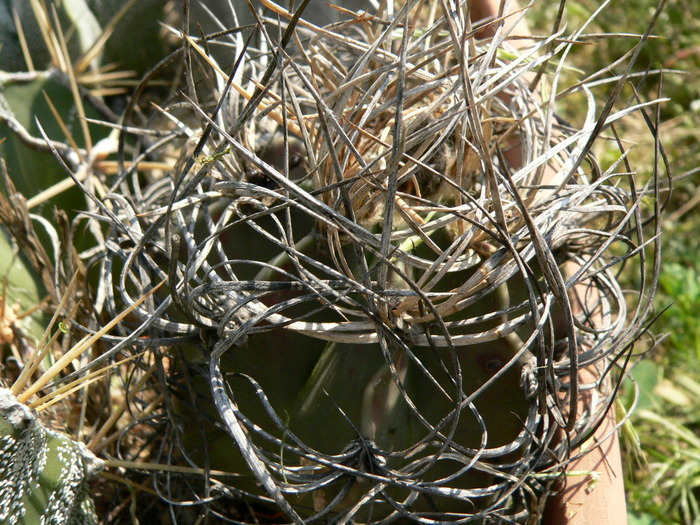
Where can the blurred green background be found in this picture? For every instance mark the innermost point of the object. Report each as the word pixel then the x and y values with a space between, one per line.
pixel 662 447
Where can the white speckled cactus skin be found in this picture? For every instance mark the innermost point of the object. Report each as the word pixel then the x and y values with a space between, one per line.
pixel 43 474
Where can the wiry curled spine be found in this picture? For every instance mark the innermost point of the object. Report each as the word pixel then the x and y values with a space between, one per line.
pixel 383 220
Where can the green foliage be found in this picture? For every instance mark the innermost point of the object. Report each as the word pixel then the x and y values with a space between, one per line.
pixel 641 519
pixel 682 284
pixel 669 488
pixel 663 486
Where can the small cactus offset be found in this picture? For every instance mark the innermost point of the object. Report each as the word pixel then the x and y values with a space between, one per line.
pixel 43 474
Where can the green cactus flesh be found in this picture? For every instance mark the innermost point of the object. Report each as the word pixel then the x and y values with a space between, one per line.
pixel 43 474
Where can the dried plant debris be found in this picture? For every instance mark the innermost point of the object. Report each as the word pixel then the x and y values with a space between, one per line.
pixel 387 261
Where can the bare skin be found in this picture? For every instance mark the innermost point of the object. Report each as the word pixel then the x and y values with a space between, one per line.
pixel 584 500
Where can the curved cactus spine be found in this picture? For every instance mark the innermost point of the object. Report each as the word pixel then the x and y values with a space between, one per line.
pixel 375 236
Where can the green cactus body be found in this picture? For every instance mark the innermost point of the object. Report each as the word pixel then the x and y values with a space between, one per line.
pixel 23 108
pixel 43 474
pixel 135 43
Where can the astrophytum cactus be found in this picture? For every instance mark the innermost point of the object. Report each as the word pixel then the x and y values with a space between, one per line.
pixel 386 262
pixel 43 474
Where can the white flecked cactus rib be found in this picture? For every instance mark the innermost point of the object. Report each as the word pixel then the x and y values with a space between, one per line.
pixel 43 474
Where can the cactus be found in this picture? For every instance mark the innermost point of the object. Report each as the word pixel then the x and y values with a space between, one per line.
pixel 44 473
pixel 369 312
pixel 26 104
pixel 380 291
pixel 133 41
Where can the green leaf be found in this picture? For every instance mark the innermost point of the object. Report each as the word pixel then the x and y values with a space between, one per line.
pixel 641 519
pixel 646 374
